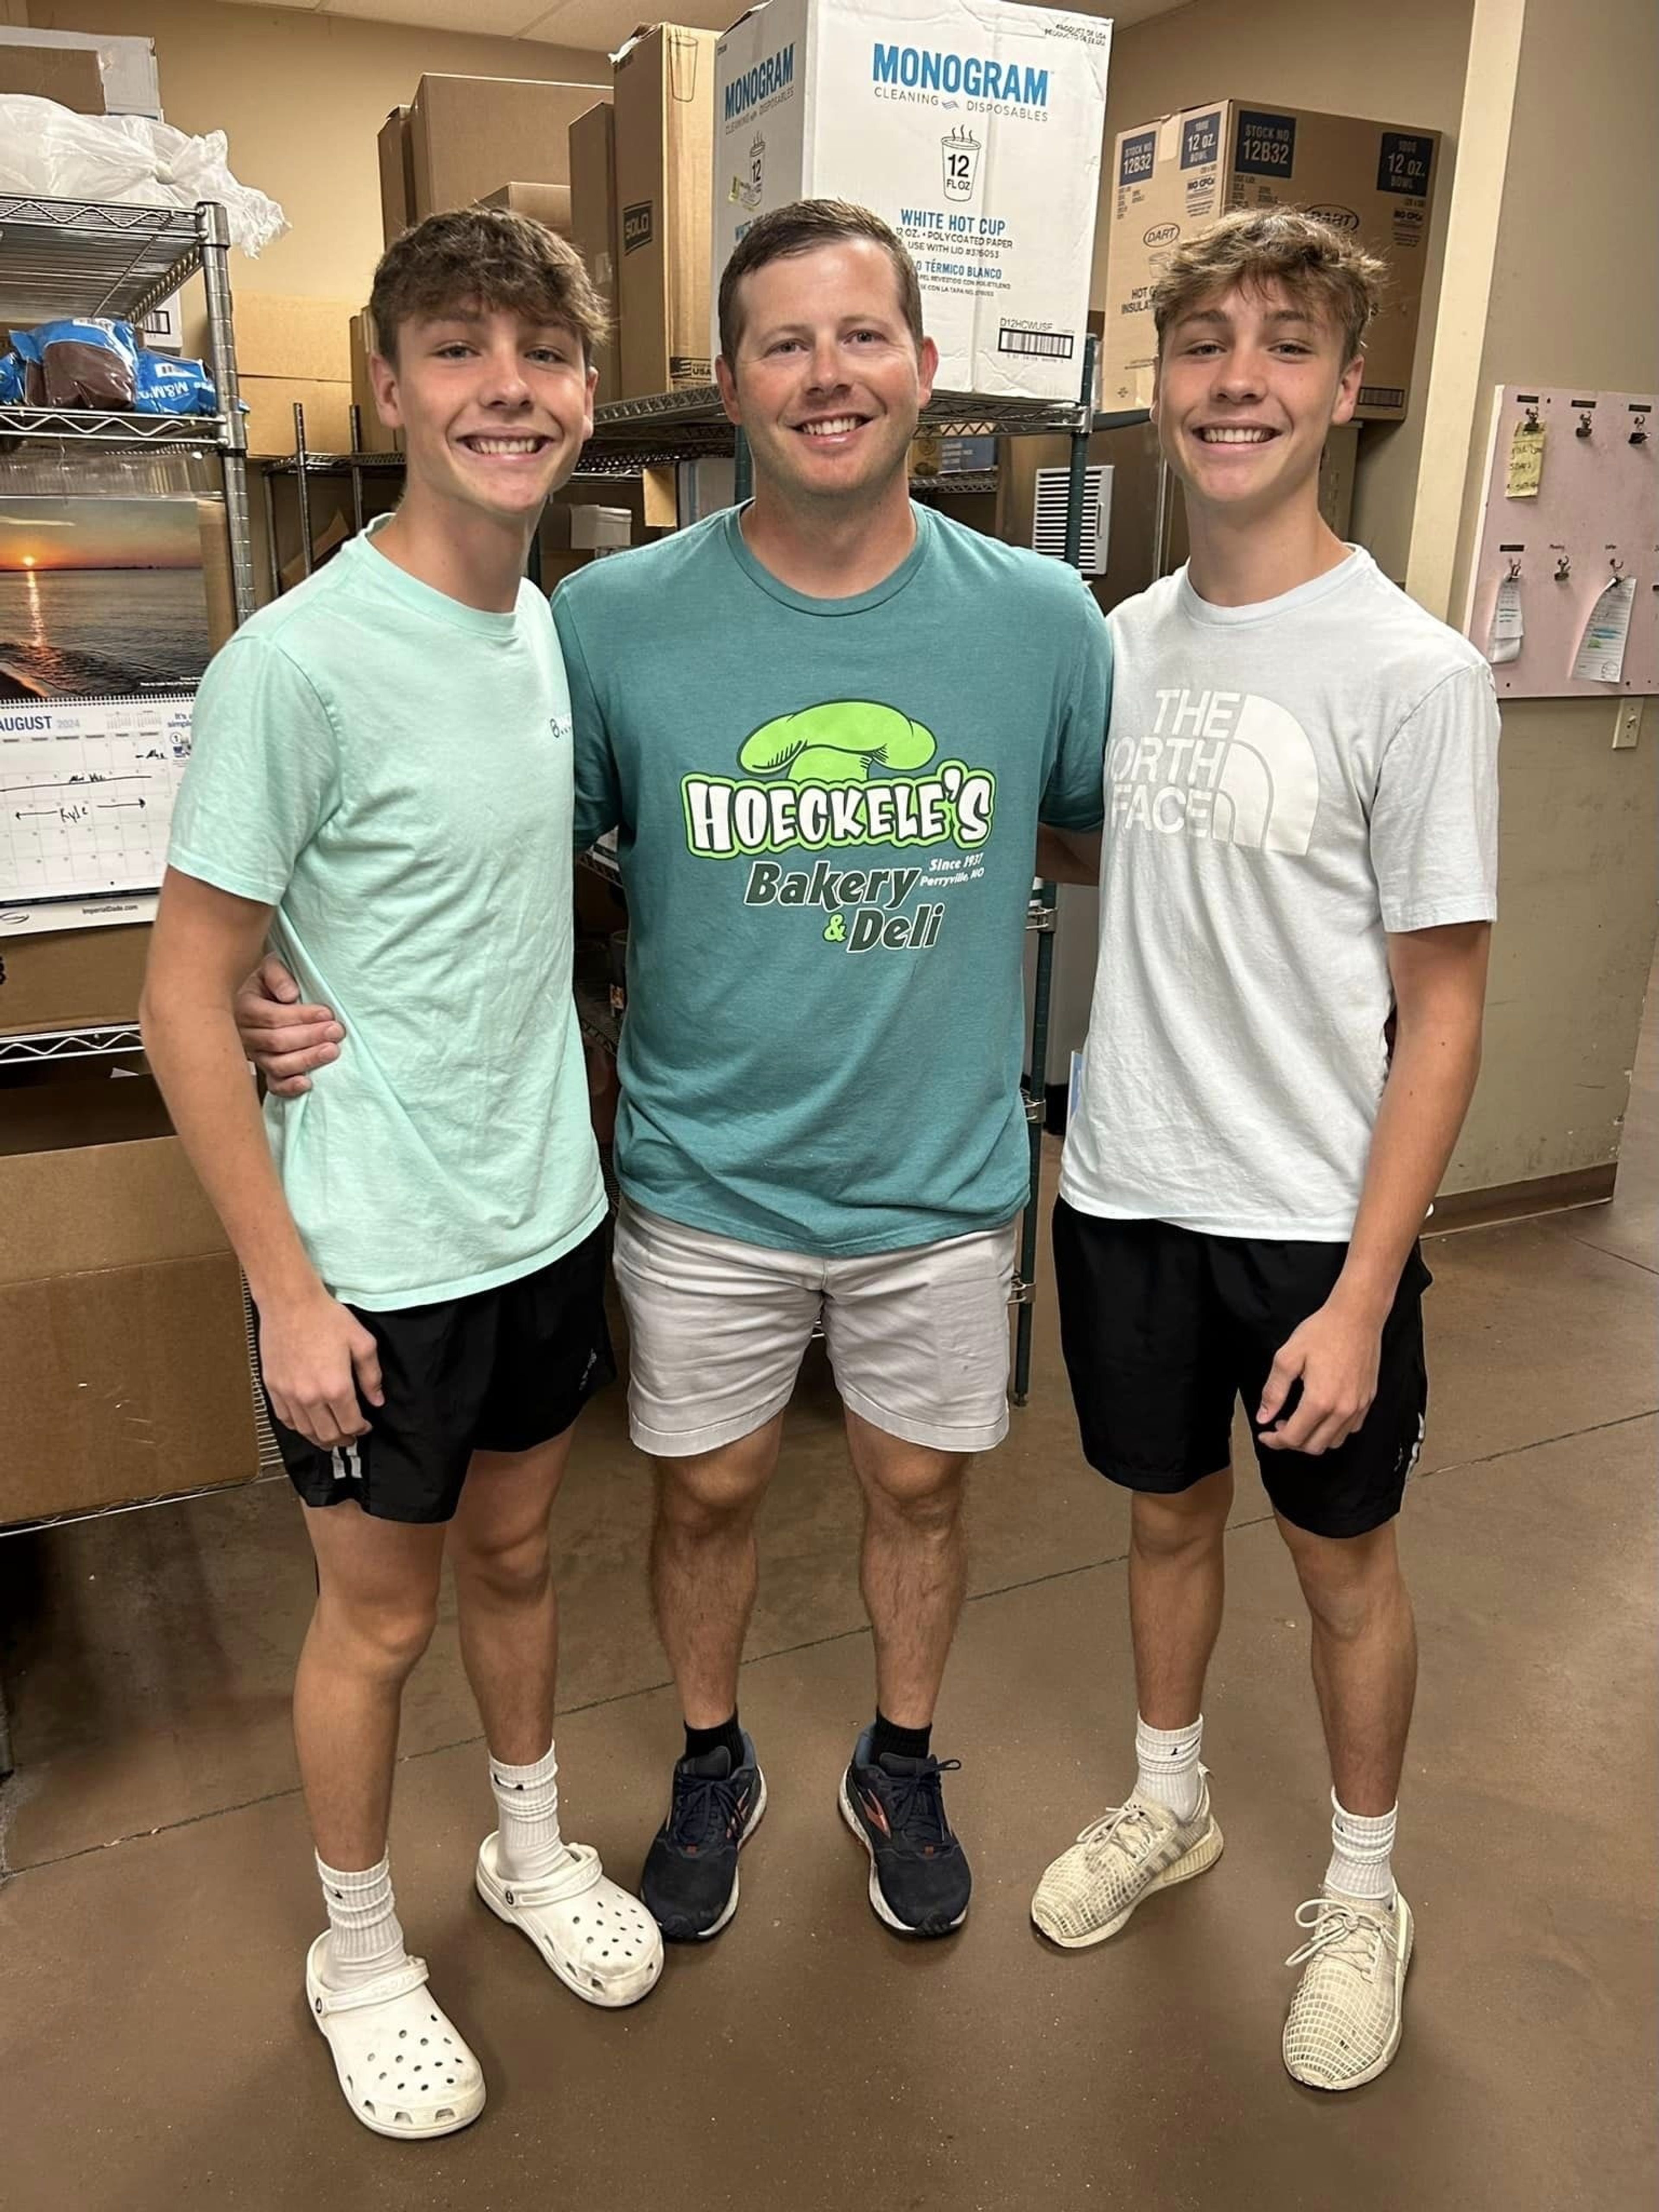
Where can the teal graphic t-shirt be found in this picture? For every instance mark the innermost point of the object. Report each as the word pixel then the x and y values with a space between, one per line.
pixel 827 814
pixel 391 770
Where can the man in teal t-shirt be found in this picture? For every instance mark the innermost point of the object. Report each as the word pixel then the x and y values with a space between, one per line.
pixel 825 729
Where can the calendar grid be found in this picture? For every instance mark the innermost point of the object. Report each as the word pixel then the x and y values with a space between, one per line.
pixel 86 788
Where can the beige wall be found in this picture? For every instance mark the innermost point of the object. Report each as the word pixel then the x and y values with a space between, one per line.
pixel 301 98
pixel 1402 64
pixel 1571 301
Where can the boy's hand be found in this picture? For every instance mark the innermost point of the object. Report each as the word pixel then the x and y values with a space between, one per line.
pixel 318 1359
pixel 283 1039
pixel 1334 1355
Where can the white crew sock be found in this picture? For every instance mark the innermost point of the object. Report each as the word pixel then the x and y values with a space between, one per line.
pixel 1168 1759
pixel 365 1938
pixel 1360 1851
pixel 527 1799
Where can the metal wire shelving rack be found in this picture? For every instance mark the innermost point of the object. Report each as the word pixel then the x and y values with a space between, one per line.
pixel 61 257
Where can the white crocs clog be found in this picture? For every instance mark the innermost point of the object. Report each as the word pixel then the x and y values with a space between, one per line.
pixel 403 2069
pixel 600 1942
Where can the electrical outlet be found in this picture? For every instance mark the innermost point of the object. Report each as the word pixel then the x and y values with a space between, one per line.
pixel 1628 724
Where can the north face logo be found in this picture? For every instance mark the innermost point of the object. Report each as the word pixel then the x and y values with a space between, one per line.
pixel 1224 765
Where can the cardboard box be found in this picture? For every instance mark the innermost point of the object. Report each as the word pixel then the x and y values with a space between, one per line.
pixel 593 153
pixel 283 334
pixel 1172 177
pixel 375 435
pixel 126 67
pixel 548 203
pixel 62 979
pixel 127 1372
pixel 466 131
pixel 69 74
pixel 397 174
pixel 270 402
pixel 280 336
pixel 600 529
pixel 218 579
pixel 665 91
pixel 973 126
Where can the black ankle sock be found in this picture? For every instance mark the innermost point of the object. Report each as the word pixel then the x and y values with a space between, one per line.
pixel 902 1742
pixel 699 1743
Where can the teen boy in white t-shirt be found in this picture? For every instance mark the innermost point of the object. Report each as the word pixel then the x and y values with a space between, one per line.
pixel 1297 876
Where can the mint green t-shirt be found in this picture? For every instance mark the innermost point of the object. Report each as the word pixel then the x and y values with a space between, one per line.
pixel 391 771
pixel 827 814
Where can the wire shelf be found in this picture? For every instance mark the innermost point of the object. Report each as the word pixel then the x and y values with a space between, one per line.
pixel 964 483
pixel 84 427
pixel 91 1040
pixel 85 258
pixel 601 862
pixel 596 1017
pixel 952 414
pixel 330 465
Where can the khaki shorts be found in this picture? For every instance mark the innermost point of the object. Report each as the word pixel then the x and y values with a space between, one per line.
pixel 918 1340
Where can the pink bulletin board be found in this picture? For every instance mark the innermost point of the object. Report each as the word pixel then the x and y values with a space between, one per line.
pixel 1597 503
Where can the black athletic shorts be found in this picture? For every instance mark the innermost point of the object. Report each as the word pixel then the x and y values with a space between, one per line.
pixel 502 1371
pixel 1164 1327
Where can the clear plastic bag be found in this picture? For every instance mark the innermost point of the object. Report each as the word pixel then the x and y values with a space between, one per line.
pixel 50 150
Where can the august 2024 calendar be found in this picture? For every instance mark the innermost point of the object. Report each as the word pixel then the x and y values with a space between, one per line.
pixel 86 788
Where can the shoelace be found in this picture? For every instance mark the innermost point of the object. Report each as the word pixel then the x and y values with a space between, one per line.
pixel 916 1806
pixel 1339 1932
pixel 1127 1828
pixel 705 1810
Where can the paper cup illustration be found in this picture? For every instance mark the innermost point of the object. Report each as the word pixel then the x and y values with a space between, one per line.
pixel 961 150
pixel 746 191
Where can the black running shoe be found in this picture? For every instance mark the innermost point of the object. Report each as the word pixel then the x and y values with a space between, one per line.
pixel 919 1878
pixel 690 1885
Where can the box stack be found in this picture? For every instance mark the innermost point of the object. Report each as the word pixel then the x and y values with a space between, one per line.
pixel 1173 176
pixel 293 351
pixel 664 93
pixel 460 135
pixel 593 221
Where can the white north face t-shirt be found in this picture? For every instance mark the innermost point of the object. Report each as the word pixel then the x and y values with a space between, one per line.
pixel 1285 784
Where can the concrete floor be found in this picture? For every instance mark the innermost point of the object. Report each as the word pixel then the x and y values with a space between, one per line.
pixel 154 2045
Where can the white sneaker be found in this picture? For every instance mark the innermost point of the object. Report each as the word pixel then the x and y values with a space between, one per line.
pixel 1090 1890
pixel 1345 2019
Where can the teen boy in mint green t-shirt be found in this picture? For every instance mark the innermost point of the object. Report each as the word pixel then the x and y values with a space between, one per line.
pixel 381 782
pixel 406 839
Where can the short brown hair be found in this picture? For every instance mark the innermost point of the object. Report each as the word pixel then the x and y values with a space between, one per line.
pixel 1319 267
pixel 487 258
pixel 802 227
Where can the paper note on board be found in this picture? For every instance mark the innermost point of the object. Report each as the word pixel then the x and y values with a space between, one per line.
pixel 1525 469
pixel 1508 623
pixel 1601 651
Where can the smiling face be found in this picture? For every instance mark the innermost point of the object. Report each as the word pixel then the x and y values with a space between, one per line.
pixel 1249 381
pixel 828 381
pixel 494 406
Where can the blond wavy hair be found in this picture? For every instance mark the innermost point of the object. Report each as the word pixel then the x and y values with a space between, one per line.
pixel 1320 268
